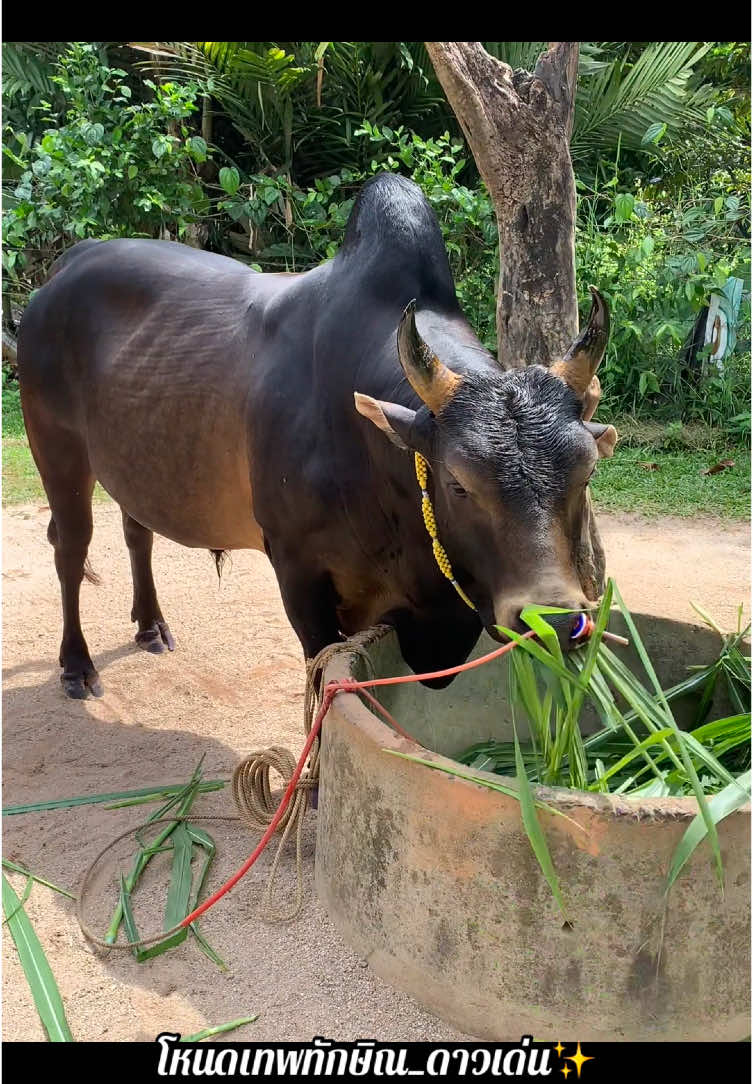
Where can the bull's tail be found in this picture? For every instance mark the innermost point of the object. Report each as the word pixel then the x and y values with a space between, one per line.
pixel 220 557
pixel 90 575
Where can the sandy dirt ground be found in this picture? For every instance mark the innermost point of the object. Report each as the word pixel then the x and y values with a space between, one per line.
pixel 234 683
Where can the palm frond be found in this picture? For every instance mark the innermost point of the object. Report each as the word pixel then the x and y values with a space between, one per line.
pixel 620 100
pixel 27 68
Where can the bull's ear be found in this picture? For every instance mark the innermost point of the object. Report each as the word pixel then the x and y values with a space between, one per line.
pixel 591 399
pixel 605 437
pixel 408 429
pixel 395 421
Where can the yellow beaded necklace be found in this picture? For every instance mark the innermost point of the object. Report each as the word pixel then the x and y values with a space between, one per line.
pixel 440 554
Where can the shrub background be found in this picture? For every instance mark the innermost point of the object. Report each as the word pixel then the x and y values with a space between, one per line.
pixel 257 149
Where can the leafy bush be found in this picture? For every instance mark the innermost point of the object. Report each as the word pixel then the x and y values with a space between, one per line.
pixel 289 227
pixel 91 151
pixel 114 167
pixel 658 256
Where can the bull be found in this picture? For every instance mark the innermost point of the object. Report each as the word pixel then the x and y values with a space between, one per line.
pixel 225 409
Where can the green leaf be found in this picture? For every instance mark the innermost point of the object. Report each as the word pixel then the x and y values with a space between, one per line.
pixel 7 864
pixel 198 147
pixel 540 653
pixel 534 831
pixel 230 179
pixel 207 1033
pixel 38 972
pixel 655 133
pixel 182 801
pixel 147 794
pixel 733 796
pixel 647 382
pixel 533 617
pixel 619 765
pixel 132 171
pixel 693 777
pixel 179 891
pixel 206 948
pixel 624 205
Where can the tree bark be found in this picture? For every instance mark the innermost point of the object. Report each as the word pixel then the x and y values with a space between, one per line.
pixel 518 126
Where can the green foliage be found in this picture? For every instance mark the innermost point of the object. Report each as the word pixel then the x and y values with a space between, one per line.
pixel 625 98
pixel 676 485
pixel 657 257
pixel 660 144
pixel 13 422
pixel 292 228
pixel 296 106
pixel 108 167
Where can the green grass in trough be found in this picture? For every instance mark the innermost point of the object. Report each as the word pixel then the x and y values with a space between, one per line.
pixel 639 752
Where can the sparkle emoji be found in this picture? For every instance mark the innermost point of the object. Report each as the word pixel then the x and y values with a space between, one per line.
pixel 578 1060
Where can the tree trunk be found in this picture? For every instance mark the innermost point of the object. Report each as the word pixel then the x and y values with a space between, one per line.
pixel 518 127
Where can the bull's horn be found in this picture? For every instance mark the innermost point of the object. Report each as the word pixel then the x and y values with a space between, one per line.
pixel 582 359
pixel 429 377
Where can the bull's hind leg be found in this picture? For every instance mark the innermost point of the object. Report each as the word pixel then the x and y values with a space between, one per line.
pixel 153 634
pixel 64 467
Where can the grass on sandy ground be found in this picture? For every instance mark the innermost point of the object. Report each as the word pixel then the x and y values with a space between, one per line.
pixel 676 486
pixel 659 469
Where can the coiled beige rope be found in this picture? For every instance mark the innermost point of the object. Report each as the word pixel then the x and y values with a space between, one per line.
pixel 255 802
pixel 251 780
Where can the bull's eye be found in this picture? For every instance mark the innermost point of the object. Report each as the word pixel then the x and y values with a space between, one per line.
pixel 456 487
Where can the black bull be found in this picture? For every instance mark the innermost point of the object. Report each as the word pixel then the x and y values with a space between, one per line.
pixel 216 406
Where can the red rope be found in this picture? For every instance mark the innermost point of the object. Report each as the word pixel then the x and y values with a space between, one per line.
pixel 347 685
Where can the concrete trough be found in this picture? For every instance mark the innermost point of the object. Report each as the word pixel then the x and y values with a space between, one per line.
pixel 433 880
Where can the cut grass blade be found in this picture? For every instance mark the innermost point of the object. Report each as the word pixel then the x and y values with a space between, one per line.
pixel 179 892
pixel 533 617
pixel 540 653
pixel 606 773
pixel 183 799
pixel 38 972
pixel 127 797
pixel 511 792
pixel 207 1033
pixel 27 892
pixel 15 868
pixel 733 796
pixel 206 948
pixel 687 762
pixel 132 934
pixel 205 842
pixel 203 788
pixel 182 895
pixel 534 831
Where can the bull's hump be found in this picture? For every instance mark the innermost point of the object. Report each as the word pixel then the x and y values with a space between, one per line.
pixel 393 237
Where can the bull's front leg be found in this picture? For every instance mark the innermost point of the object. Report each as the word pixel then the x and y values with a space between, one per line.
pixel 309 598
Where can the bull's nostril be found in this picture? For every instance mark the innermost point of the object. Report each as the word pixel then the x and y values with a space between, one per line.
pixel 581 627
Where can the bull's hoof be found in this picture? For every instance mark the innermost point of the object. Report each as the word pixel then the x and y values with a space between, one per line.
pixel 81 685
pixel 156 639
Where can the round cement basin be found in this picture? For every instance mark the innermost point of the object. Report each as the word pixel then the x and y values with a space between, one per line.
pixel 433 880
